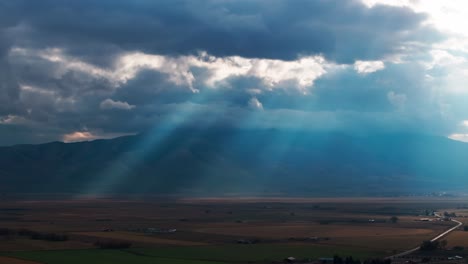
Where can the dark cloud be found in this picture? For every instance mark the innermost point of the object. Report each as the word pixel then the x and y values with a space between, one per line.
pixel 9 93
pixel 342 31
pixel 350 100
pixel 150 87
pixel 44 100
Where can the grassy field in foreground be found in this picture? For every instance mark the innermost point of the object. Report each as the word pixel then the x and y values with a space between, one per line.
pixel 259 252
pixel 188 255
pixel 92 256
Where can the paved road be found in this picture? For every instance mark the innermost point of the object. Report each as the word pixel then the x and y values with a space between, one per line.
pixel 432 240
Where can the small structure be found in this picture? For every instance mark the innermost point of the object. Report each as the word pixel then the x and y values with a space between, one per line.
pixel 290 260
pixel 326 260
pixel 425 219
pixel 247 241
pixel 152 230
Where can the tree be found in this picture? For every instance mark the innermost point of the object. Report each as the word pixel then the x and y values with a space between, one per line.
pixel 458 248
pixel 394 219
pixel 337 260
pixel 429 245
pixel 442 244
pixel 447 214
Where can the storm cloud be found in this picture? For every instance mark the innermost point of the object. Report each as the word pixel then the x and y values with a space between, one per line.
pixel 78 70
pixel 341 31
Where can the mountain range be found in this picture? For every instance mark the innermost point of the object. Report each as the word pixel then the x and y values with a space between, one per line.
pixel 213 162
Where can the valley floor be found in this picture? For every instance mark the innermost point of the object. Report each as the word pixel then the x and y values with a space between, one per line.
pixel 221 230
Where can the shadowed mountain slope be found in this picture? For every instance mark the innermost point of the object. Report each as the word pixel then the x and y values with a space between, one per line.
pixel 239 162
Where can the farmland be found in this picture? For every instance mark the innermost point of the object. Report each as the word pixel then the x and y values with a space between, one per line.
pixel 218 230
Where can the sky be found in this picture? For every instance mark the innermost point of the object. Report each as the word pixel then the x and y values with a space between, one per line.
pixel 82 70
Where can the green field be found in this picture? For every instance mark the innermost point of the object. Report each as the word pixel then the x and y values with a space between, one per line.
pixel 92 256
pixel 188 255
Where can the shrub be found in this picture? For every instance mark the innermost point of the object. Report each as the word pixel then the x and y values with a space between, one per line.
pixel 42 236
pixel 429 245
pixel 458 248
pixel 447 214
pixel 6 232
pixel 26 232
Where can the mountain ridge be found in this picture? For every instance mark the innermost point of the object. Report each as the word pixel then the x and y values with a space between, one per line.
pixel 223 161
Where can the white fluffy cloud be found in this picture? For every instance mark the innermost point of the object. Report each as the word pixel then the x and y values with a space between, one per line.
pixel 254 103
pixel 78 136
pixel 12 120
pixel 365 67
pixel 111 104
pixel 448 16
pixel 273 73
pixel 459 137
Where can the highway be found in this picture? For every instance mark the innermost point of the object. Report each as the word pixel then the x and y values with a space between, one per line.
pixel 439 236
